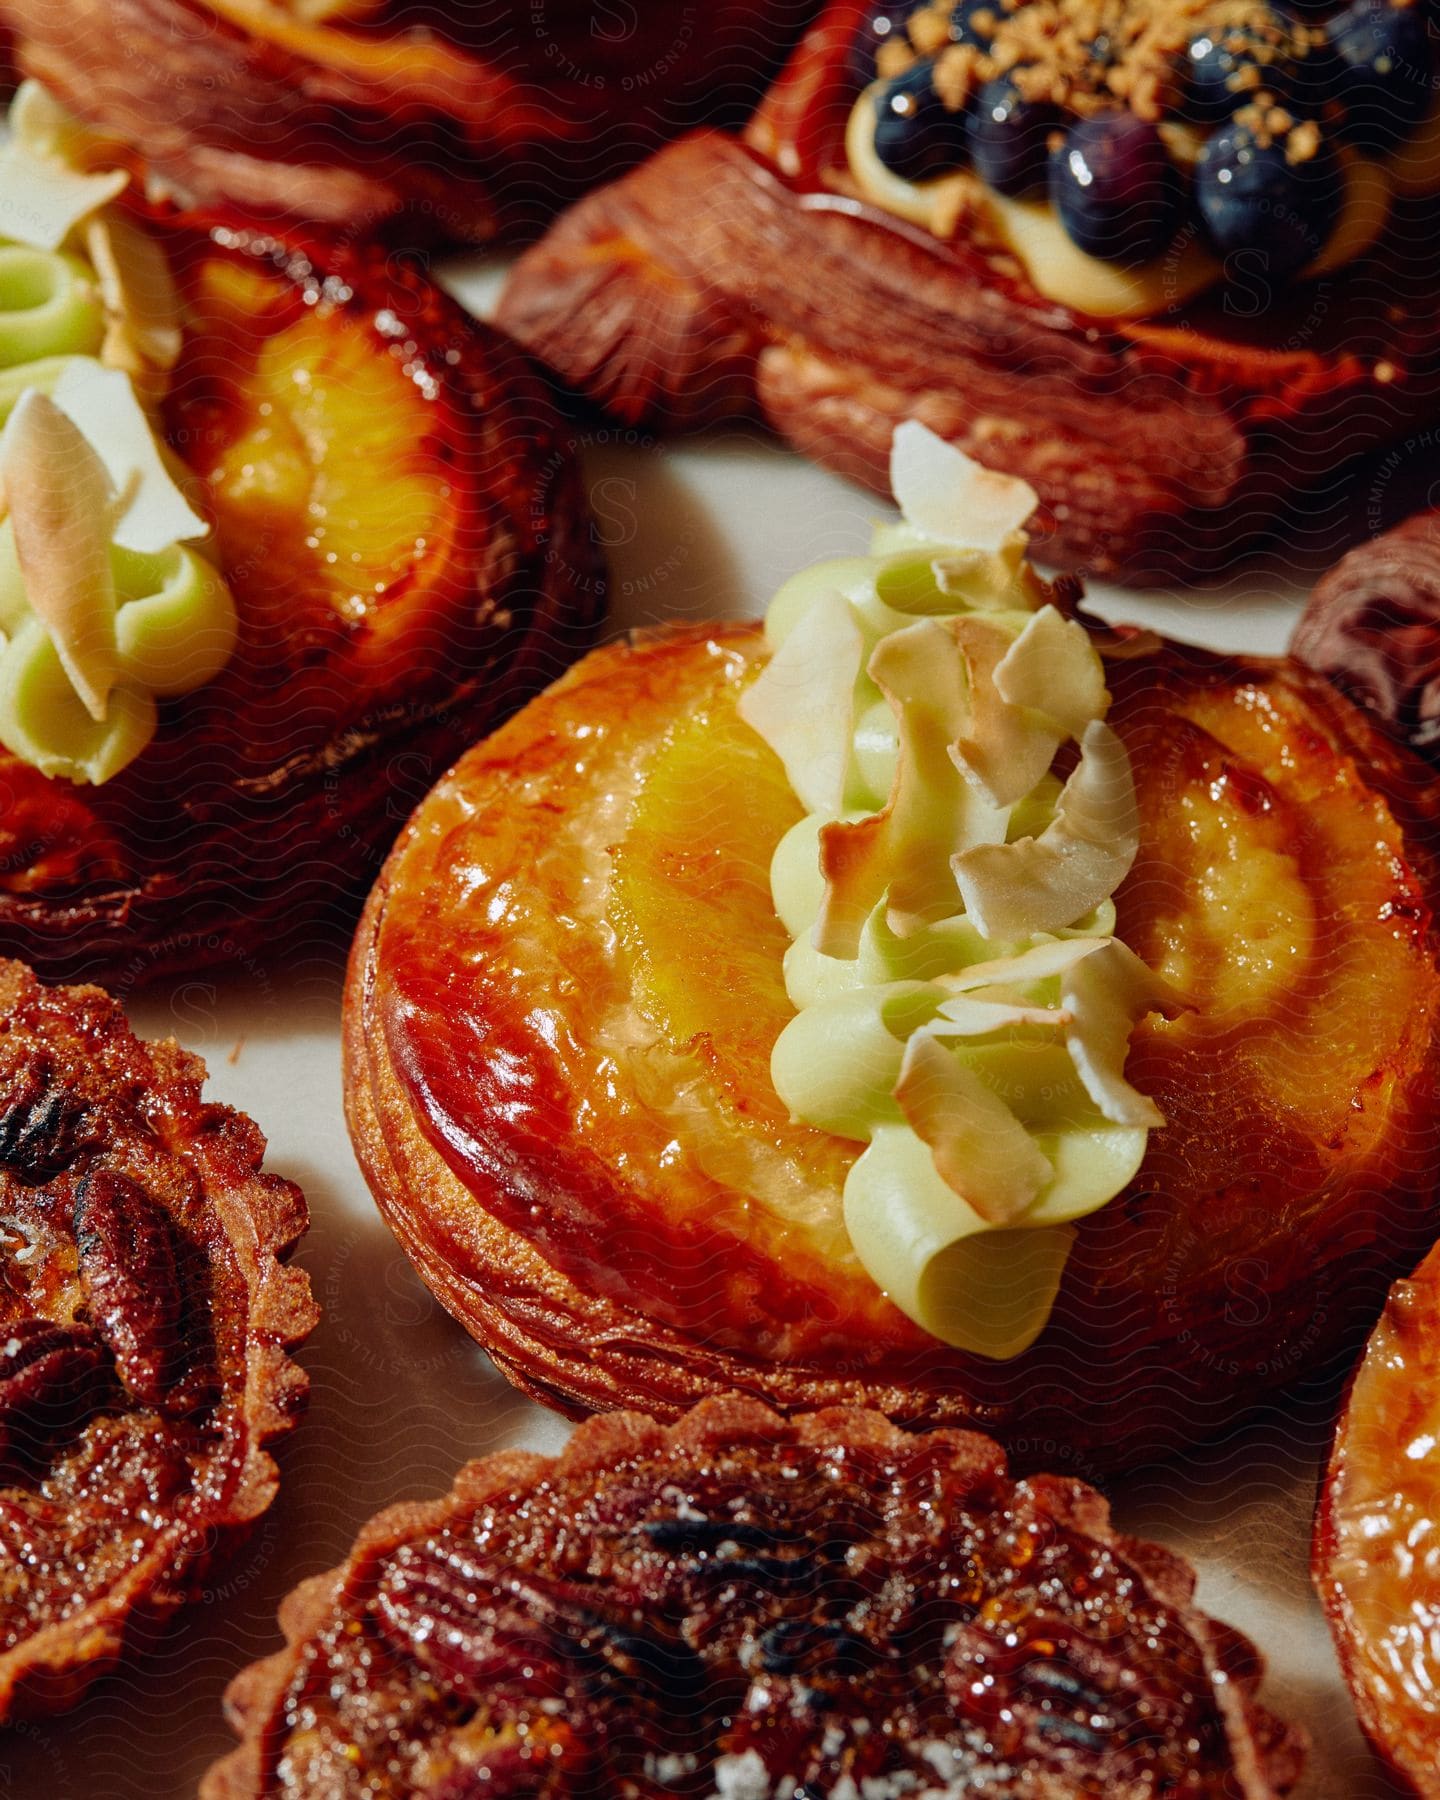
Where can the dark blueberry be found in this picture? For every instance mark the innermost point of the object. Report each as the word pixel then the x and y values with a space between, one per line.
pixel 880 25
pixel 1253 198
pixel 1115 189
pixel 1385 56
pixel 1007 137
pixel 1226 65
pixel 914 135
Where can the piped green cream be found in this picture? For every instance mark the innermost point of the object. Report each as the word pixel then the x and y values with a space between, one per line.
pixel 105 607
pixel 963 1006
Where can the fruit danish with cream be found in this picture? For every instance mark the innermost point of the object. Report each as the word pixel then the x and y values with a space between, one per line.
pixel 282 531
pixel 748 1606
pixel 930 1001
pixel 403 118
pixel 1173 264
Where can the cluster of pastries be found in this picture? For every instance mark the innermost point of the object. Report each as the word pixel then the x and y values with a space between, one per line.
pixel 899 1064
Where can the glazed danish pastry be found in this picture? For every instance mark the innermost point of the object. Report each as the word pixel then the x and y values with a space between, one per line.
pixel 285 531
pixel 413 121
pixel 748 1605
pixel 1174 264
pixel 614 1092
pixel 145 1323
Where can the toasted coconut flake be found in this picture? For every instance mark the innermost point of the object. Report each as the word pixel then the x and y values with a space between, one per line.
pixel 1038 963
pixel 1045 883
pixel 1053 669
pixel 931 812
pixel 803 702
pixel 140 297
pixel 1005 750
pixel 948 495
pixel 1106 995
pixel 153 514
pixel 44 196
pixel 993 1009
pixel 60 503
pixel 981 1150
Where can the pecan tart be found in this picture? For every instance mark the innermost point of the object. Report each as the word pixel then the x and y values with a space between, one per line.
pixel 747 1605
pixel 1173 263
pixel 145 1320
pixel 984 1103
pixel 1375 1560
pixel 412 119
pixel 286 529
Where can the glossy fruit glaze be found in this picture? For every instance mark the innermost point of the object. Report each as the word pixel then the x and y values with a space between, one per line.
pixel 827 1610
pixel 572 966
pixel 1377 1537
pixel 396 516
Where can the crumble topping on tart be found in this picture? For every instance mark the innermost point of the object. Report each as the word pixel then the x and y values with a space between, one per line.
pixel 145 1320
pixel 1157 140
pixel 744 1607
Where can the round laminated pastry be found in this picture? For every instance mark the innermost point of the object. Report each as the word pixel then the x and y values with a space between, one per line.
pixel 285 529
pixel 146 1319
pixel 742 1605
pixel 421 123
pixel 1376 1565
pixel 570 979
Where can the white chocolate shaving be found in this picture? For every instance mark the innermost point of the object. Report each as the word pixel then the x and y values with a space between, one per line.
pixel 946 494
pixel 60 500
pixel 1048 882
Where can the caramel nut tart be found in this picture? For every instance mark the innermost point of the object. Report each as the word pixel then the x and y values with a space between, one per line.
pixel 145 1323
pixel 1375 1561
pixel 744 1605
pixel 420 120
pixel 1173 263
pixel 284 530
pixel 927 1001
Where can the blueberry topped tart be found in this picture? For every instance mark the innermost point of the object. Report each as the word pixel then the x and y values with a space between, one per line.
pixel 1178 146
pixel 1172 263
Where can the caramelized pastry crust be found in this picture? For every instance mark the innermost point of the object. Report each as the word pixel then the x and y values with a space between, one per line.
pixel 1158 445
pixel 145 1320
pixel 399 518
pixel 747 1605
pixel 408 120
pixel 566 987
pixel 1376 1564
